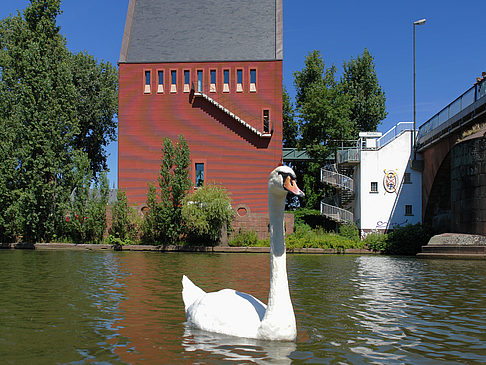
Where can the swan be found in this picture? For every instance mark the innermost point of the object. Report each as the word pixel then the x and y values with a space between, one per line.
pixel 233 313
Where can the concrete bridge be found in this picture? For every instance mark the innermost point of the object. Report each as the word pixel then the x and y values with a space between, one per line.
pixel 451 151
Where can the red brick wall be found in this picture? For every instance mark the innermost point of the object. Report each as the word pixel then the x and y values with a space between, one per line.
pixel 233 156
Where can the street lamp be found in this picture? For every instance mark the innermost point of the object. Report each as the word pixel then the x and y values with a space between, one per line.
pixel 417 22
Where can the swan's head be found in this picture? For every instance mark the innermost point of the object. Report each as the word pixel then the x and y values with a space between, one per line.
pixel 282 181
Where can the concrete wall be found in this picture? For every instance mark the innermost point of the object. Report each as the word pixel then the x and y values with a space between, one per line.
pixel 385 208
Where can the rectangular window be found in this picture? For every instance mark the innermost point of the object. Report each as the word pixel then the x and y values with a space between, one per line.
pixel 187 81
pixel 160 85
pixel 407 178
pixel 146 88
pixel 266 121
pixel 212 87
pixel 252 80
pixel 408 210
pixel 173 81
pixel 374 187
pixel 200 81
pixel 239 81
pixel 226 81
pixel 199 175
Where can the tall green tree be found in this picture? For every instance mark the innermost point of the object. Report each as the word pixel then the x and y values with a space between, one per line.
pixel 324 108
pixel 163 222
pixel 360 81
pixel 290 127
pixel 40 122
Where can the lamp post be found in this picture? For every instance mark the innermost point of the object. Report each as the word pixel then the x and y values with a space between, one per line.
pixel 417 22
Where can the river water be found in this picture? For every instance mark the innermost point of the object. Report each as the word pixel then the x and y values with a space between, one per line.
pixel 73 307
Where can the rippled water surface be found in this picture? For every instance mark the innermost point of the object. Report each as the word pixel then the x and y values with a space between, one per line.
pixel 125 307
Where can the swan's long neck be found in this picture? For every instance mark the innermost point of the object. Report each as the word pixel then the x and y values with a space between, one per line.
pixel 279 314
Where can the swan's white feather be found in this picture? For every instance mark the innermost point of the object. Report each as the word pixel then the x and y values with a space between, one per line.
pixel 190 292
pixel 227 311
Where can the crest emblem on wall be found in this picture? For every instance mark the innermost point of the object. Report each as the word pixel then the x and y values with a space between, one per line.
pixel 390 181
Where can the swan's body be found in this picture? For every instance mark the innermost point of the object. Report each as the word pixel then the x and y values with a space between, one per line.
pixel 238 314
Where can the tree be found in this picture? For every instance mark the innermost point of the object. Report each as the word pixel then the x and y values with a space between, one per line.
pixel 206 211
pixel 163 222
pixel 41 122
pixel 324 108
pixel 368 100
pixel 290 127
pixel 96 88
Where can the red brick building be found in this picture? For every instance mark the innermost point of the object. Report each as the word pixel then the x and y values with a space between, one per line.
pixel 211 71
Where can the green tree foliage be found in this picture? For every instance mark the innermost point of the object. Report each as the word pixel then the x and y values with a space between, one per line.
pixel 163 221
pixel 290 127
pixel 123 218
pixel 40 122
pixel 206 211
pixel 96 88
pixel 85 219
pixel 324 108
pixel 368 100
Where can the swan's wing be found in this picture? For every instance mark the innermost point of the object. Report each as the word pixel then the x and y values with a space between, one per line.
pixel 190 292
pixel 227 311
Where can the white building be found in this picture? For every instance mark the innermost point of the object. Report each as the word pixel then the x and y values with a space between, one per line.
pixel 385 192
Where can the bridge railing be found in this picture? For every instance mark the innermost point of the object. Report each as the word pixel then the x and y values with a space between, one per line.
pixel 462 102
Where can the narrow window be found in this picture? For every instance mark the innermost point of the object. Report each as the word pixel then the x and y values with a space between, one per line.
pixel 266 121
pixel 239 81
pixel 226 81
pixel 160 86
pixel 187 78
pixel 173 82
pixel 374 187
pixel 200 81
pixel 146 89
pixel 199 175
pixel 212 87
pixel 407 178
pixel 253 80
pixel 408 210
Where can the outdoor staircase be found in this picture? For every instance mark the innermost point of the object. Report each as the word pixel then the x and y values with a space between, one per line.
pixel 232 115
pixel 344 198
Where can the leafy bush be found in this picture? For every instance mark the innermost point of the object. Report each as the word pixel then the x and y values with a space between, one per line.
pixel 408 240
pixel 305 237
pixel 124 219
pixel 377 241
pixel 311 217
pixel 349 230
pixel 248 239
pixel 205 212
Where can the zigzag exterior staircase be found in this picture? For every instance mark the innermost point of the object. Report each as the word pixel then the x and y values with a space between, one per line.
pixel 346 185
pixel 232 115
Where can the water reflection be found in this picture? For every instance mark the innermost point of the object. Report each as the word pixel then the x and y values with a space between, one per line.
pixel 207 345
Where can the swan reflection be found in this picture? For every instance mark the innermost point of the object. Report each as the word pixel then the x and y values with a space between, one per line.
pixel 237 349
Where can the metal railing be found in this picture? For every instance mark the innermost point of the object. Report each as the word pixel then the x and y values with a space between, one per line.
pixel 337 179
pixel 336 214
pixel 393 133
pixel 471 95
pixel 348 155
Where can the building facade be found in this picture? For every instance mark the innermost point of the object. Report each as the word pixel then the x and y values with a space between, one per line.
pixel 378 189
pixel 211 71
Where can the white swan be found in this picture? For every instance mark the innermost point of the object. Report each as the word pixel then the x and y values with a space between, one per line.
pixel 238 314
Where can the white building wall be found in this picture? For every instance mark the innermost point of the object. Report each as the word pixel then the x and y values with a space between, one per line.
pixel 386 208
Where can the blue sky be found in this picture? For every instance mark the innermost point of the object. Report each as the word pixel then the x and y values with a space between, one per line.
pixel 450 47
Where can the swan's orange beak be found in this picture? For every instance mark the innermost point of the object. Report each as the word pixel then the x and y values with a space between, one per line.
pixel 291 186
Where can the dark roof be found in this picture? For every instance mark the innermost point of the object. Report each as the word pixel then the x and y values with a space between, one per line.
pixel 202 30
